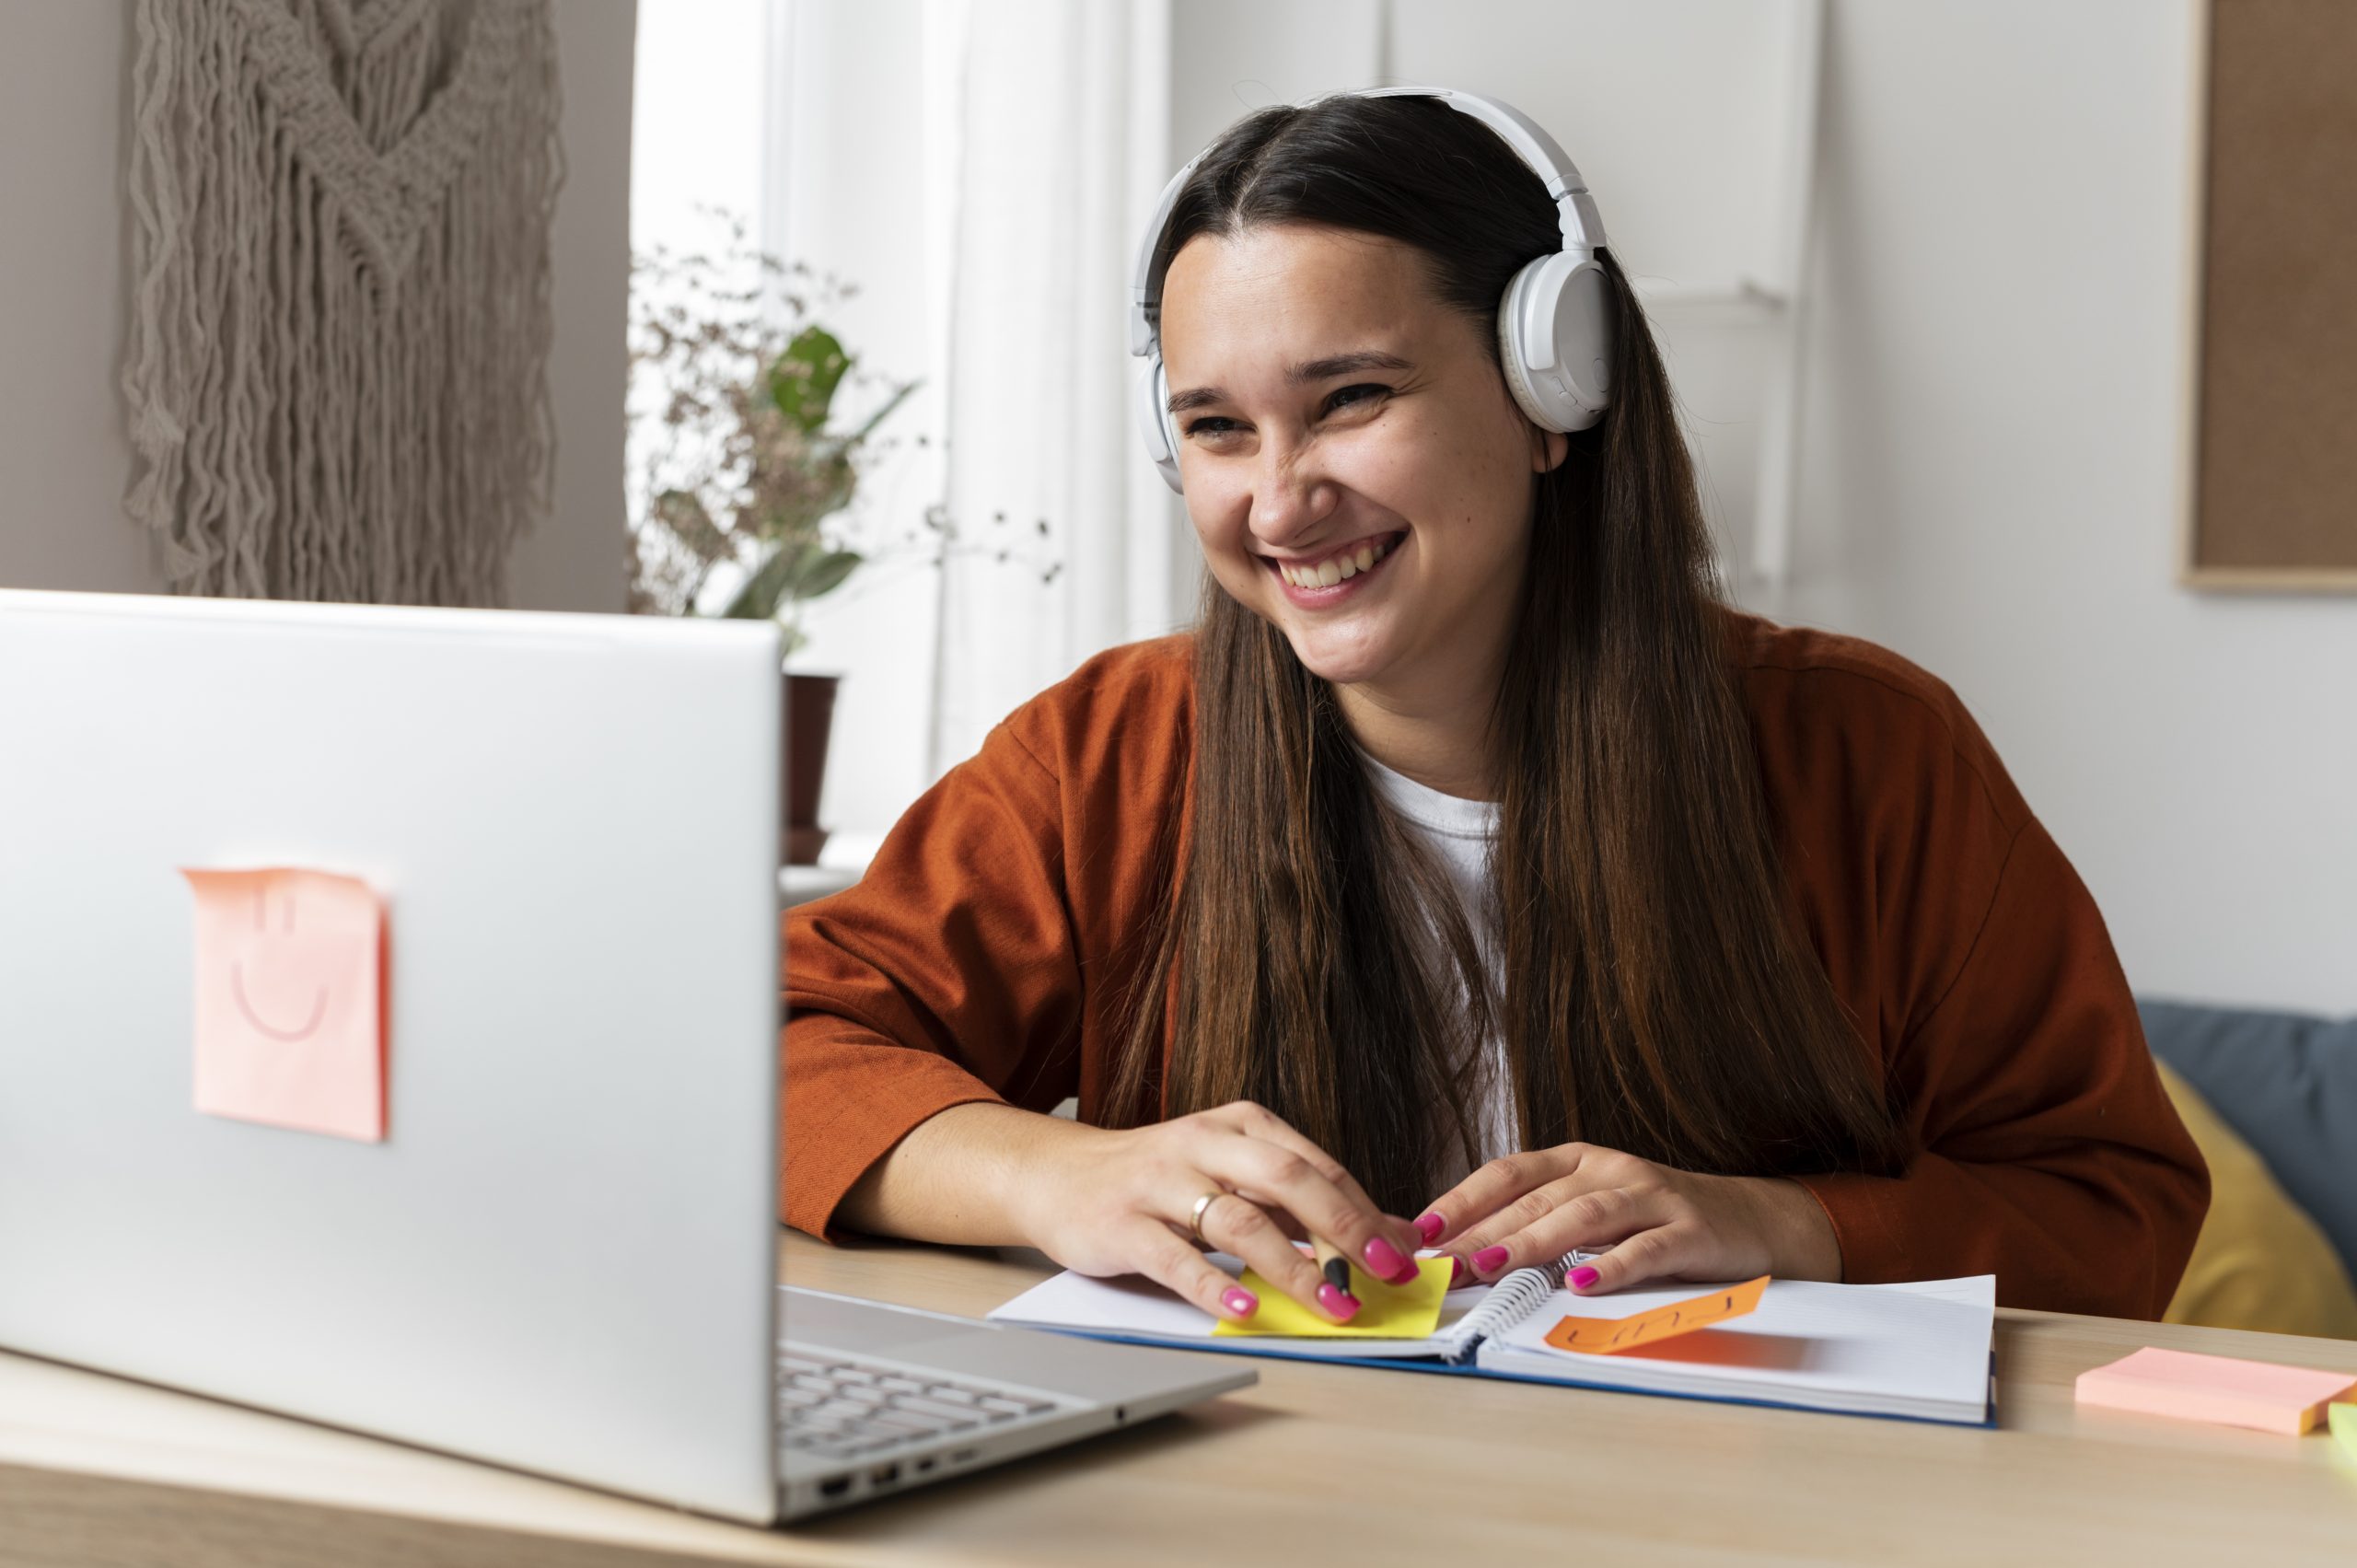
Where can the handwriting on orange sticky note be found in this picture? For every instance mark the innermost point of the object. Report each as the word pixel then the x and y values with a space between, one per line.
pixel 1603 1335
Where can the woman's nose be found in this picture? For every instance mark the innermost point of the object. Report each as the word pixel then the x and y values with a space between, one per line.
pixel 1289 498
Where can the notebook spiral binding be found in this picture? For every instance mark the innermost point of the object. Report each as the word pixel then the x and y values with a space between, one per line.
pixel 1510 1301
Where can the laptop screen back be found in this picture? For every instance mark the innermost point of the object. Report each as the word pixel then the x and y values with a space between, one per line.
pixel 560 1256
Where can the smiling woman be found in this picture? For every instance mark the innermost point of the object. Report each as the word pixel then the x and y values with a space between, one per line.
pixel 1294 466
pixel 1471 858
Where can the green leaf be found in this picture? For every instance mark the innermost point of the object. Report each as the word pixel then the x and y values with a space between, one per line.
pixel 795 570
pixel 759 598
pixel 827 574
pixel 803 378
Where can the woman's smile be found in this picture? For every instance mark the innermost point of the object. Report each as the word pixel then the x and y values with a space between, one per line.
pixel 1315 582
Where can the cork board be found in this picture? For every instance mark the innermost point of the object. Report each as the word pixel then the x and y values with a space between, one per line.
pixel 2274 488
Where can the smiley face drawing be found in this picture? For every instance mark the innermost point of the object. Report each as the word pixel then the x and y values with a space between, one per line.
pixel 281 980
pixel 289 1000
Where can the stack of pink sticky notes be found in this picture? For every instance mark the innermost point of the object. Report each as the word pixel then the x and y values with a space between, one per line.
pixel 2218 1388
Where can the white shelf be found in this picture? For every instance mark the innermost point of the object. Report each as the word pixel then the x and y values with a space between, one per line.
pixel 1743 294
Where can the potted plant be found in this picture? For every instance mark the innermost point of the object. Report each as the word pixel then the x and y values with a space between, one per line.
pixel 744 483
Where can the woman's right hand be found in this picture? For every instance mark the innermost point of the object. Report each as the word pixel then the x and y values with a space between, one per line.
pixel 1118 1203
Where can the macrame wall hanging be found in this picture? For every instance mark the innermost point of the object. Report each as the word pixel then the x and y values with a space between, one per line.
pixel 341 311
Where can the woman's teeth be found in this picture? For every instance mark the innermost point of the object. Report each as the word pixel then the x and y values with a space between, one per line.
pixel 1325 573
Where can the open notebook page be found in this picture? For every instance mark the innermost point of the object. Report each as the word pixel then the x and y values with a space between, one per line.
pixel 1914 1348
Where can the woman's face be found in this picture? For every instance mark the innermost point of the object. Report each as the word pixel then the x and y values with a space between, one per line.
pixel 1356 469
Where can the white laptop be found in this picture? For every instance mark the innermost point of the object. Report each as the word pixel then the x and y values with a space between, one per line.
pixel 560 1254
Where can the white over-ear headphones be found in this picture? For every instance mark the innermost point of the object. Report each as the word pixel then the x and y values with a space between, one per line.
pixel 1554 324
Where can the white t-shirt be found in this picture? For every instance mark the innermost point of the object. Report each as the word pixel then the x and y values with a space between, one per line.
pixel 1460 832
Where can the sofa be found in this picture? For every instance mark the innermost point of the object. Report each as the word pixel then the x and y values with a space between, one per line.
pixel 2271 1097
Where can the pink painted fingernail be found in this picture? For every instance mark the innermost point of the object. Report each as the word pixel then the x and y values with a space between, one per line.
pixel 1584 1276
pixel 1339 1303
pixel 1241 1302
pixel 1490 1260
pixel 1457 1272
pixel 1383 1260
pixel 1429 1226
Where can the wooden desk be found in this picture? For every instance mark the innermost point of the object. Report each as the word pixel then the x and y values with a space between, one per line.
pixel 1315 1464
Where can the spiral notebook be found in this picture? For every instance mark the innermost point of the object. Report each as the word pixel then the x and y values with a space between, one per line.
pixel 1921 1351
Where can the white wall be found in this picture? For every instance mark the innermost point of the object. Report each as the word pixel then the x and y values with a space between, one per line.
pixel 65 456
pixel 1989 476
pixel 1989 482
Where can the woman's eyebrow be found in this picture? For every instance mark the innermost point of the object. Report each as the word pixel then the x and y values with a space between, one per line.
pixel 1307 370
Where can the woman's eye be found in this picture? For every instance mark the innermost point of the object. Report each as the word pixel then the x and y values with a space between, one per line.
pixel 1348 396
pixel 1343 399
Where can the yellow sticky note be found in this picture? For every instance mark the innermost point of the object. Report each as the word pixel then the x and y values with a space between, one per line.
pixel 1410 1311
pixel 1603 1335
pixel 2345 1427
pixel 290 1000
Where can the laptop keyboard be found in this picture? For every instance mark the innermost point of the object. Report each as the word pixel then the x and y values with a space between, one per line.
pixel 842 1408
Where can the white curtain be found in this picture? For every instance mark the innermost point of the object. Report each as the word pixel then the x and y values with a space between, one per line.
pixel 1064 144
pixel 980 171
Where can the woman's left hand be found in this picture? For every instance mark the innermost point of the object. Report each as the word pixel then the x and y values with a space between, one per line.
pixel 1660 1224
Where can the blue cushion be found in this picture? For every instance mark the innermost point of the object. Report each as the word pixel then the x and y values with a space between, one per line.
pixel 2287 1082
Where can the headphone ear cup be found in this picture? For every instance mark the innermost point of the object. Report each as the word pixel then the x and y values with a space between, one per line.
pixel 1555 341
pixel 1510 352
pixel 1151 406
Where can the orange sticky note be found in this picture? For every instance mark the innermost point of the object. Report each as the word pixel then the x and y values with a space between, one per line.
pixel 290 1000
pixel 1602 1336
pixel 2219 1388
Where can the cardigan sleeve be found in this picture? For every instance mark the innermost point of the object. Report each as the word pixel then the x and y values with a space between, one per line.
pixel 947 974
pixel 2050 1156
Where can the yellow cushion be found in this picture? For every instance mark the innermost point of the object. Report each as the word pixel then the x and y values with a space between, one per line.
pixel 2260 1262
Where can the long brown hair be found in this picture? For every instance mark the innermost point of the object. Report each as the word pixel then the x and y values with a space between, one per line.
pixel 1659 996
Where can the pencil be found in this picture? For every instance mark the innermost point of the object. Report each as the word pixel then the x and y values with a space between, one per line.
pixel 1333 1264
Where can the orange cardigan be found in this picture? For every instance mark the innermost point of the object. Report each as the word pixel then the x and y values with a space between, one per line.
pixel 984 953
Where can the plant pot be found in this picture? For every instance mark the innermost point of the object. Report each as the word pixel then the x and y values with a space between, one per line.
pixel 809 715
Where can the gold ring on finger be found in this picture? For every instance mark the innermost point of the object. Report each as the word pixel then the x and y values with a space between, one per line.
pixel 1195 1219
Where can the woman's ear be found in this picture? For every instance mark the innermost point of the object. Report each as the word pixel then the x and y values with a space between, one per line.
pixel 1547 453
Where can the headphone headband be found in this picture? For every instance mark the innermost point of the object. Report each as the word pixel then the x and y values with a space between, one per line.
pixel 1582 225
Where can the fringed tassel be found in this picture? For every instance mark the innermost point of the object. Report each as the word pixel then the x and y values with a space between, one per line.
pixel 341 302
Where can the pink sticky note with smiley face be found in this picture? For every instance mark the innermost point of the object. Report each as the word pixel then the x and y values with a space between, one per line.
pixel 290 1000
